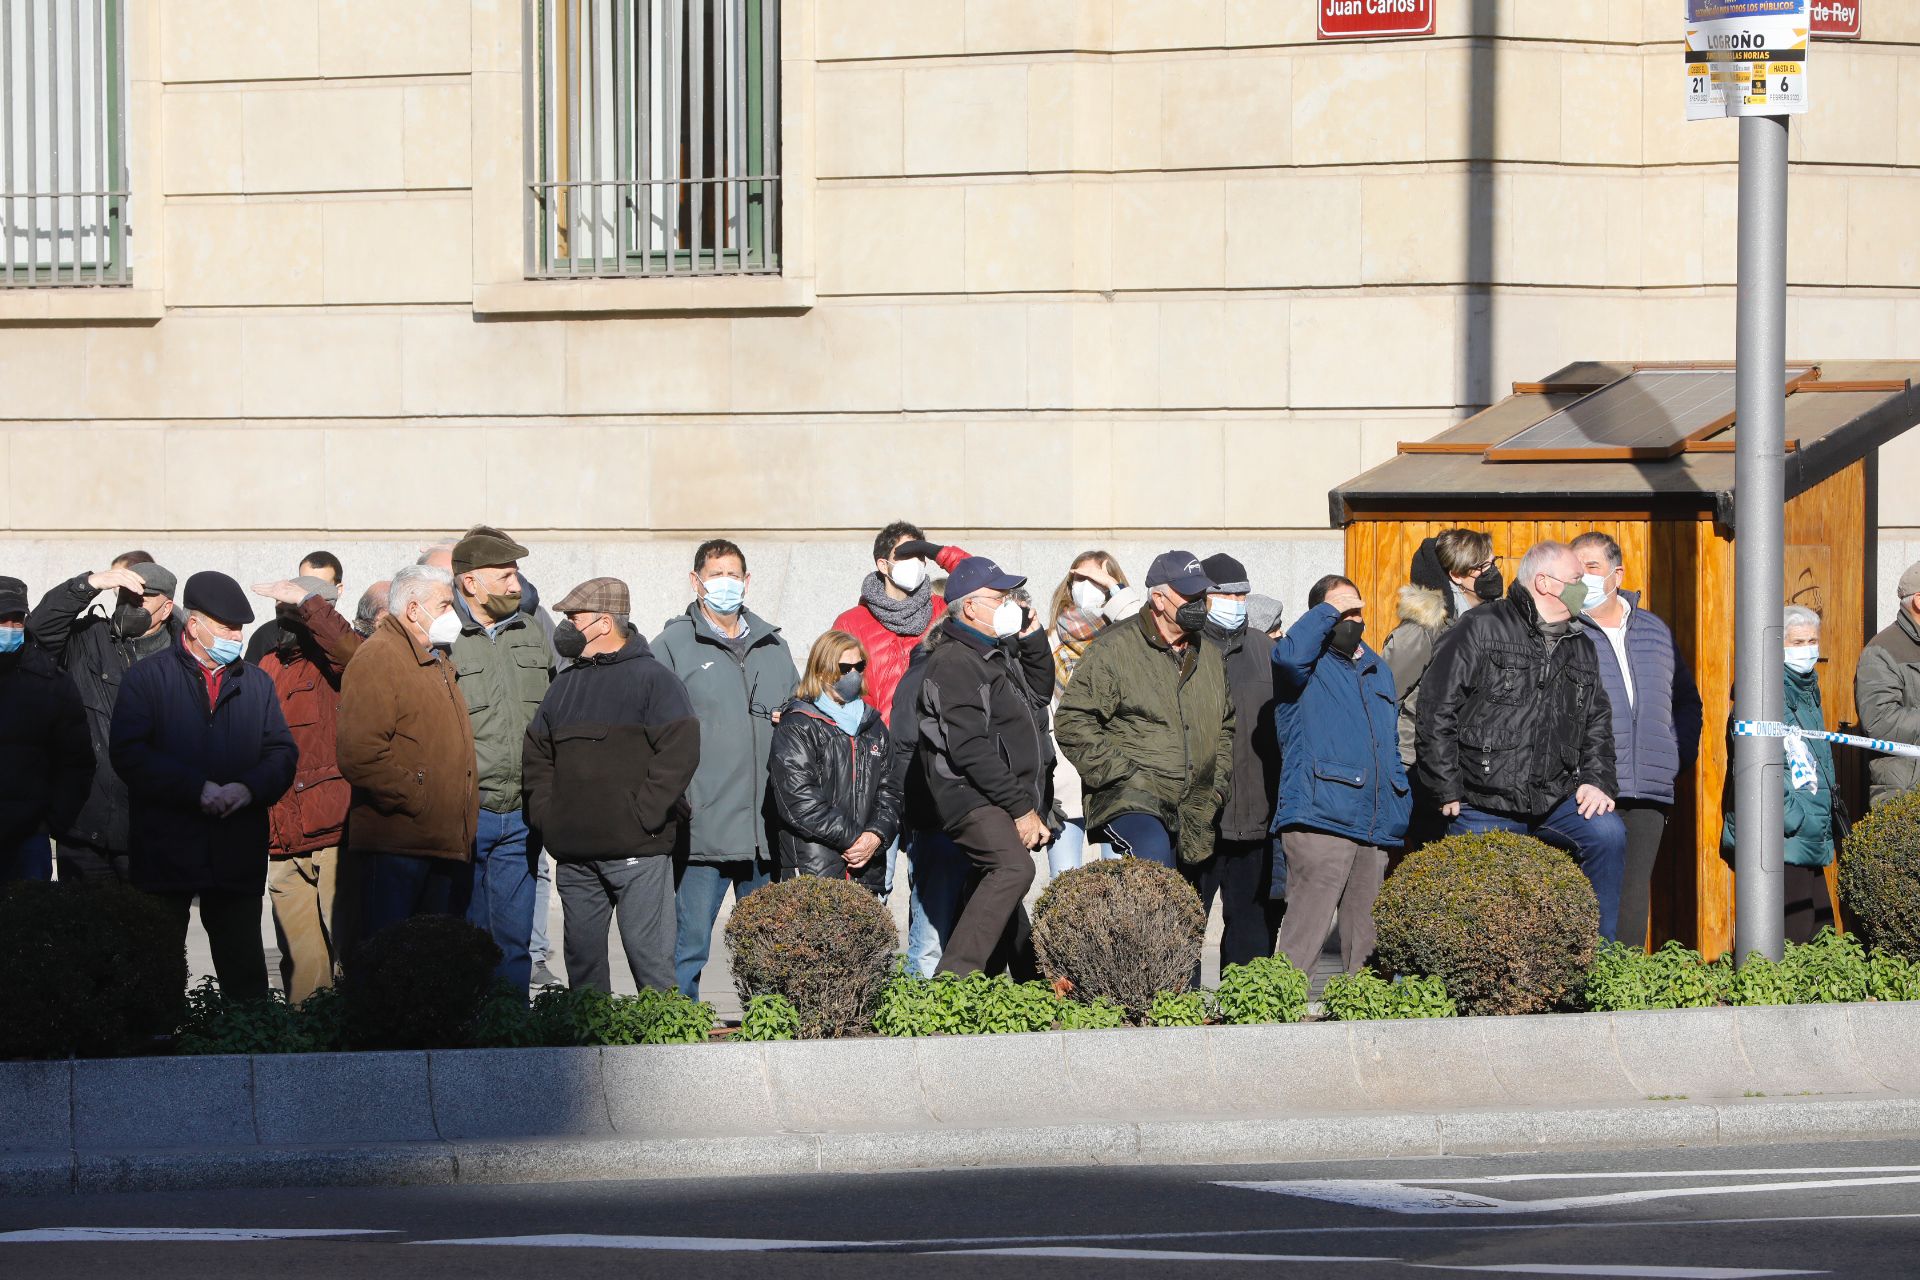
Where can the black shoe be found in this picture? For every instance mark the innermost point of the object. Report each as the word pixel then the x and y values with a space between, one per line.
pixel 543 976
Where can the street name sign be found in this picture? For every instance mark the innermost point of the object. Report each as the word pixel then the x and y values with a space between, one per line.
pixel 1836 19
pixel 1370 19
pixel 1747 58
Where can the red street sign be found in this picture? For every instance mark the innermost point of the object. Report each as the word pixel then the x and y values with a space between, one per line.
pixel 1836 19
pixel 1362 19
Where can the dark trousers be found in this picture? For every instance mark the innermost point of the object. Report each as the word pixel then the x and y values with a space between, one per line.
pixel 84 862
pixel 1803 891
pixel 1598 844
pixel 1141 835
pixel 638 893
pixel 232 922
pixel 400 886
pixel 992 932
pixel 1646 823
pixel 1240 874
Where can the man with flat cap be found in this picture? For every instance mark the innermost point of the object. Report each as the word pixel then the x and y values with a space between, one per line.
pixel 504 666
pixel 96 645
pixel 199 737
pixel 311 646
pixel 1149 723
pixel 986 759
pixel 46 760
pixel 608 759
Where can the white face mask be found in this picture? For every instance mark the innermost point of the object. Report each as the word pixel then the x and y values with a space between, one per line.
pixel 1596 590
pixel 444 630
pixel 1802 657
pixel 1088 596
pixel 909 574
pixel 1006 619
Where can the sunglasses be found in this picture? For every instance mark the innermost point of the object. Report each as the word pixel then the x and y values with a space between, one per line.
pixel 848 668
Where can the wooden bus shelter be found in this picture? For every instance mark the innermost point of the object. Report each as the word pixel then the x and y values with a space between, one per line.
pixel 1644 452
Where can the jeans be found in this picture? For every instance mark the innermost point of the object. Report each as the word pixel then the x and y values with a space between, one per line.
pixel 502 901
pixel 400 886
pixel 537 944
pixel 1598 844
pixel 1073 849
pixel 638 893
pixel 937 874
pixel 1140 835
pixel 700 890
pixel 32 859
pixel 893 867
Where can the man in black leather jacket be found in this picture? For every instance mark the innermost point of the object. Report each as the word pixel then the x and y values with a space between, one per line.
pixel 1515 730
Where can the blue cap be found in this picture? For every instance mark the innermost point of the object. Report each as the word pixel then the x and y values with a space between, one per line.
pixel 1180 570
pixel 977 573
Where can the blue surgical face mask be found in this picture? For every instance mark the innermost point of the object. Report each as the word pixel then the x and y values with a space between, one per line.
pixel 223 651
pixel 1802 657
pixel 725 595
pixel 1596 590
pixel 1227 614
pixel 12 638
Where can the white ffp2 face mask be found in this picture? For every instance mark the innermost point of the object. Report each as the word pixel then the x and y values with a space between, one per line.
pixel 909 574
pixel 1088 596
pixel 1006 619
pixel 444 630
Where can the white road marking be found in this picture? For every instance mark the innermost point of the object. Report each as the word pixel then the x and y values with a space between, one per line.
pixel 1650 1273
pixel 188 1235
pixel 1150 1255
pixel 1664 1173
pixel 704 1244
pixel 1404 1197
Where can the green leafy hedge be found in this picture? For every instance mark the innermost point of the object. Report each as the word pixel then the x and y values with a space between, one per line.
pixel 1267 989
pixel 1366 996
pixel 1834 968
pixel 1880 876
pixel 978 1005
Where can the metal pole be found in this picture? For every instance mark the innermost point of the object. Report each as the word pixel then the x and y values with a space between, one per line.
pixel 1760 355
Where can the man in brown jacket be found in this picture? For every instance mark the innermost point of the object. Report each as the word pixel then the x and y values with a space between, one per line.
pixel 406 745
pixel 310 647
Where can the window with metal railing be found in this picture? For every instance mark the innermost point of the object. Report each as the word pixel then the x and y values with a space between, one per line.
pixel 653 137
pixel 64 188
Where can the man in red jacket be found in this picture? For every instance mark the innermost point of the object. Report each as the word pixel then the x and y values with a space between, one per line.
pixel 897 606
pixel 312 645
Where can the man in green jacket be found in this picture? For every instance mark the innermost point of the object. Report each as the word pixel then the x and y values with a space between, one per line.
pixel 504 665
pixel 739 673
pixel 1886 688
pixel 1148 723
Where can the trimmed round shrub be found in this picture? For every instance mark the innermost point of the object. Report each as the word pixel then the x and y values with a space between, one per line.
pixel 826 945
pixel 1506 921
pixel 418 984
pixel 91 970
pixel 1880 876
pixel 1123 929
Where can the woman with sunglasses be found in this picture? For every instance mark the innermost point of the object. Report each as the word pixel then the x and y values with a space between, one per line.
pixel 830 773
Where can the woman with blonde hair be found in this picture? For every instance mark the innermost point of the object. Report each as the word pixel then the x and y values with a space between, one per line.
pixel 1094 594
pixel 830 772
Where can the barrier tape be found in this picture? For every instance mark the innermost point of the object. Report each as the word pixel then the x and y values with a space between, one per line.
pixel 1774 729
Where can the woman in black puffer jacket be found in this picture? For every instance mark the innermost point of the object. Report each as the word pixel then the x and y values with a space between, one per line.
pixel 830 772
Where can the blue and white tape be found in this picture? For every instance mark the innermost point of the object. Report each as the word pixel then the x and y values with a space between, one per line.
pixel 1775 729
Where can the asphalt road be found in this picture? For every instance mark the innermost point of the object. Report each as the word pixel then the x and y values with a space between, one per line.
pixel 1827 1209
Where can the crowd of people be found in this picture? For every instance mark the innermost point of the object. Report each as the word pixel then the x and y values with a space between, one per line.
pixel 431 753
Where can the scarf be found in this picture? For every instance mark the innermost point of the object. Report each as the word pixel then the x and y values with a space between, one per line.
pixel 1072 632
pixel 909 617
pixel 848 715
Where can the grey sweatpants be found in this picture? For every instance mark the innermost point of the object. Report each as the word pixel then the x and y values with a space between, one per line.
pixel 640 890
pixel 1326 874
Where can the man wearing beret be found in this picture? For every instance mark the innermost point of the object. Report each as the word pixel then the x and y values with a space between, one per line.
pixel 46 761
pixel 96 645
pixel 504 666
pixel 199 737
pixel 312 644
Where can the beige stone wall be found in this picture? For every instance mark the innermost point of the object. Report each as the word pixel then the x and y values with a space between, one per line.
pixel 1055 267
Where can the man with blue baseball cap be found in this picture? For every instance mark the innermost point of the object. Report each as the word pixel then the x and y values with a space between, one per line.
pixel 1148 722
pixel 986 758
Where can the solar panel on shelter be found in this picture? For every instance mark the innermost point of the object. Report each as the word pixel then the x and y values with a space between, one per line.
pixel 1648 416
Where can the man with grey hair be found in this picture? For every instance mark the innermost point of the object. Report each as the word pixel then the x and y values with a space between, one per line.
pixel 1886 687
pixel 1515 731
pixel 405 743
pixel 607 762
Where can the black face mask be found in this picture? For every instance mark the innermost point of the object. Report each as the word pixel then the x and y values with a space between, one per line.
pixel 1192 615
pixel 568 641
pixel 849 686
pixel 1346 635
pixel 1490 585
pixel 131 621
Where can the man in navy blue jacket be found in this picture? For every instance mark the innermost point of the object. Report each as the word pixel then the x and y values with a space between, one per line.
pixel 199 738
pixel 1656 716
pixel 1344 798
